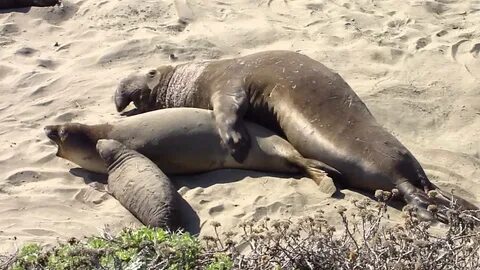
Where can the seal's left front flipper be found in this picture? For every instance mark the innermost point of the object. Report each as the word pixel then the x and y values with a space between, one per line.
pixel 229 107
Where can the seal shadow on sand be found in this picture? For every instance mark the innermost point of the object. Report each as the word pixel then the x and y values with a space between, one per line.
pixel 189 219
pixel 224 176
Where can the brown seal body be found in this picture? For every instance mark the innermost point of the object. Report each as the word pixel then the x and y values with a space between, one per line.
pixel 7 4
pixel 140 186
pixel 184 141
pixel 298 97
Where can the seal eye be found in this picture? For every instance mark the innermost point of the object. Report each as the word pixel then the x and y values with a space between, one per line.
pixel 62 134
pixel 152 73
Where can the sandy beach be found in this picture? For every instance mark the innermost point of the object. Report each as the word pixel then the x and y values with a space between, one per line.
pixel 416 64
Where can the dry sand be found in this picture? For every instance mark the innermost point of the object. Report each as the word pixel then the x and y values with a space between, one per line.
pixel 415 63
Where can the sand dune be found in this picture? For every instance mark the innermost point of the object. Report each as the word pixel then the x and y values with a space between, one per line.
pixel 415 63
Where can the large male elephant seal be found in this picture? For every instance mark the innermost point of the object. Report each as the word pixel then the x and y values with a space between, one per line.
pixel 7 4
pixel 140 186
pixel 301 99
pixel 183 141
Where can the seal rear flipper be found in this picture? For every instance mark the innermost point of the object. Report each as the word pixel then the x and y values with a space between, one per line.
pixel 421 201
pixel 446 198
pixel 325 183
pixel 319 172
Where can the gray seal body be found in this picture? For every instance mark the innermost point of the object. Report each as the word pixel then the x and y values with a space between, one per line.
pixel 184 141
pixel 140 186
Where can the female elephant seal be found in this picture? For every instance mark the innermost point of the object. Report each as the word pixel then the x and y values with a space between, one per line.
pixel 301 99
pixel 183 141
pixel 140 186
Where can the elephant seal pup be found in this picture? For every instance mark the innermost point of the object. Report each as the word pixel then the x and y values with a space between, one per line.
pixel 183 141
pixel 298 97
pixel 7 4
pixel 140 186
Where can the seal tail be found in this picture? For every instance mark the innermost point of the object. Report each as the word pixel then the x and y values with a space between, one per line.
pixel 319 172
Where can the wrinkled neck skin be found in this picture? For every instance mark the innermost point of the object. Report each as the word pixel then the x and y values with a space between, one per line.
pixel 175 87
pixel 114 161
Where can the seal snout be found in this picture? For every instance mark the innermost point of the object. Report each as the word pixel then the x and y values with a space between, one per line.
pixel 52 133
pixel 121 101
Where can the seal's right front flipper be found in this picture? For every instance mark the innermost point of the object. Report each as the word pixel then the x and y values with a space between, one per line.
pixel 229 107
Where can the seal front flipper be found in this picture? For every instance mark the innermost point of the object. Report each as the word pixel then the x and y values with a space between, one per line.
pixel 229 107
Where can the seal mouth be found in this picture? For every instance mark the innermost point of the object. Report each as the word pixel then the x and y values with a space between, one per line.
pixel 121 101
pixel 52 134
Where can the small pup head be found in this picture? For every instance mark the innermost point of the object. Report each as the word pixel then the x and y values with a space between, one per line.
pixel 109 150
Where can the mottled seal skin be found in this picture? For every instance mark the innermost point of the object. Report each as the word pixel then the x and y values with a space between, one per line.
pixel 299 98
pixel 140 186
pixel 7 4
pixel 184 141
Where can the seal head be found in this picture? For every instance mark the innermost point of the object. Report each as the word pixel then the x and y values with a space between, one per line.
pixel 76 142
pixel 141 88
pixel 109 150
